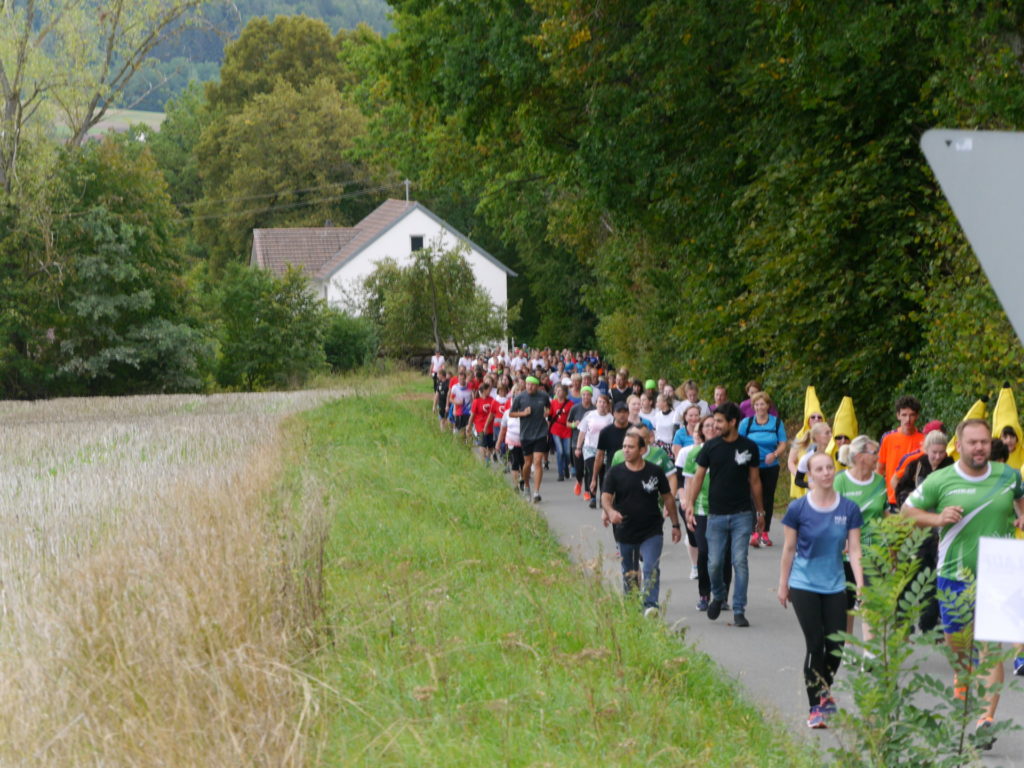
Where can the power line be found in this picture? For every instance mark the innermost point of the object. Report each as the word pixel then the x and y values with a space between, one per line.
pixel 287 206
pixel 192 203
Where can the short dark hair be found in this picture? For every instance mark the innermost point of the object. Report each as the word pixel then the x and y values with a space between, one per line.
pixel 999 451
pixel 640 442
pixel 908 401
pixel 1007 431
pixel 730 411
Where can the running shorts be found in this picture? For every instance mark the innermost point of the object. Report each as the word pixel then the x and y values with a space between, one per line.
pixel 535 446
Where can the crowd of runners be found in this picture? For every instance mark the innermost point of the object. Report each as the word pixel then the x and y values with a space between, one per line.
pixel 645 450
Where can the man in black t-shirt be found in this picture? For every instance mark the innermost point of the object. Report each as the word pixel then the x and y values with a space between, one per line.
pixel 531 408
pixel 630 500
pixel 608 442
pixel 735 492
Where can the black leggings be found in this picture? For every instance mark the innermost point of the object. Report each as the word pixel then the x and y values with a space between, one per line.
pixel 820 616
pixel 703 577
pixel 769 482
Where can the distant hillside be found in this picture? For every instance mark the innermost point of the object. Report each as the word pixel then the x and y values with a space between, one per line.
pixel 196 53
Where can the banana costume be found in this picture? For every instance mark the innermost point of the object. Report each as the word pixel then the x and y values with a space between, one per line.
pixel 844 423
pixel 977 411
pixel 811 405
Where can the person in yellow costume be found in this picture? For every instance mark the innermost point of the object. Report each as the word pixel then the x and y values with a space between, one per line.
pixel 844 429
pixel 1005 420
pixel 812 415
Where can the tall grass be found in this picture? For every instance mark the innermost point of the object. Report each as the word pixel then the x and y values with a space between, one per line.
pixel 461 635
pixel 153 583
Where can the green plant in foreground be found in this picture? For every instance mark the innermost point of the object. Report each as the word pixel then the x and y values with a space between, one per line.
pixel 906 717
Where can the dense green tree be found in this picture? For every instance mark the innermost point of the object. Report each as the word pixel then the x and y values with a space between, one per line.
pixel 121 320
pixel 349 341
pixel 174 145
pixel 271 329
pixel 279 148
pixel 431 303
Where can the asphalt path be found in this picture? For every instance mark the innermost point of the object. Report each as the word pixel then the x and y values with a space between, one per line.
pixel 766 658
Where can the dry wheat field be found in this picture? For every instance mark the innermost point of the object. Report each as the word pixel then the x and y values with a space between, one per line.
pixel 152 582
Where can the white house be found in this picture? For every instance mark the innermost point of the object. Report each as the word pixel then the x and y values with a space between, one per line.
pixel 338 259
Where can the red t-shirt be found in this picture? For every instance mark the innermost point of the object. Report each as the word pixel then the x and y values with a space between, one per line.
pixel 481 409
pixel 895 445
pixel 560 418
pixel 499 410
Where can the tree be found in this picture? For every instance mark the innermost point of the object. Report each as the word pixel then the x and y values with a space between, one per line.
pixel 271 329
pixel 279 149
pixel 349 341
pixel 72 60
pixel 432 302
pixel 120 319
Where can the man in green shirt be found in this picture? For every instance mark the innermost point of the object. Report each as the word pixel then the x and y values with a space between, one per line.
pixel 969 500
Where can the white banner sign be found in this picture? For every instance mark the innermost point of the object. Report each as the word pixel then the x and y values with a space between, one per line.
pixel 999 615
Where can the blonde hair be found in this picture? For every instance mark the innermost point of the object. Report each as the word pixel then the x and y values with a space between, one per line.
pixel 935 437
pixel 860 444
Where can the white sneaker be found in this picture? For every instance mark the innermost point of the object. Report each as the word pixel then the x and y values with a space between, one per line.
pixel 651 612
pixel 693 573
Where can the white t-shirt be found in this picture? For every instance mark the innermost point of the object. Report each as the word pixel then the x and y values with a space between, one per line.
pixel 664 426
pixel 590 427
pixel 436 362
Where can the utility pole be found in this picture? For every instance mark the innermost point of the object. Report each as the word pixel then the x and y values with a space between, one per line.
pixel 407 183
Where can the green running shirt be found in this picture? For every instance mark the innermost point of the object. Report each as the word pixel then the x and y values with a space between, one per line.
pixel 870 497
pixel 700 504
pixel 988 511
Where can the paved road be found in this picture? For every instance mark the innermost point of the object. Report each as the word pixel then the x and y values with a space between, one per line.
pixel 766 658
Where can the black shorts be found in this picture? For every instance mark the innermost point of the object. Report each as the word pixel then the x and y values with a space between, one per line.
pixel 515 457
pixel 535 446
pixel 485 440
pixel 461 421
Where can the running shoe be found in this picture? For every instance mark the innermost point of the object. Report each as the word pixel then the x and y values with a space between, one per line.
pixel 755 539
pixel 592 504
pixel 740 620
pixel 816 719
pixel 561 479
pixel 765 541
pixel 1018 666
pixel 578 489
pixel 693 573
pixel 702 604
pixel 587 496
pixel 714 609
pixel 828 705
pixel 536 498
pixel 983 737
pixel 650 612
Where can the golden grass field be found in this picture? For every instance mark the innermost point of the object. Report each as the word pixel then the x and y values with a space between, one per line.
pixel 153 582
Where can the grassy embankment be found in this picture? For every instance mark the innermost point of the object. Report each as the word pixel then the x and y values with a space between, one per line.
pixel 460 634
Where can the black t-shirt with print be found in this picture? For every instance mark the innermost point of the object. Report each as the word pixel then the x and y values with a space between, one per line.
pixel 728 465
pixel 637 496
pixel 610 441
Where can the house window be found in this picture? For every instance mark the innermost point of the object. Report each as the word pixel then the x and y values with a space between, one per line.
pixel 417 243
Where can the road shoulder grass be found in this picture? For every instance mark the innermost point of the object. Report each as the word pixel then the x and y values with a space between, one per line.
pixel 459 633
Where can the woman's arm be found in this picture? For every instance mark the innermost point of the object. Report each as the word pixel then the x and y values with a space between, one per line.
pixel 786 564
pixel 853 549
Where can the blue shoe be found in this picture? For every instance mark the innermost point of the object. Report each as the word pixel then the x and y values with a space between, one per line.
pixel 817 718
pixel 702 604
pixel 1018 666
pixel 828 705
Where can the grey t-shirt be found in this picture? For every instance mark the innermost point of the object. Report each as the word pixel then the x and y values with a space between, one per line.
pixel 534 426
